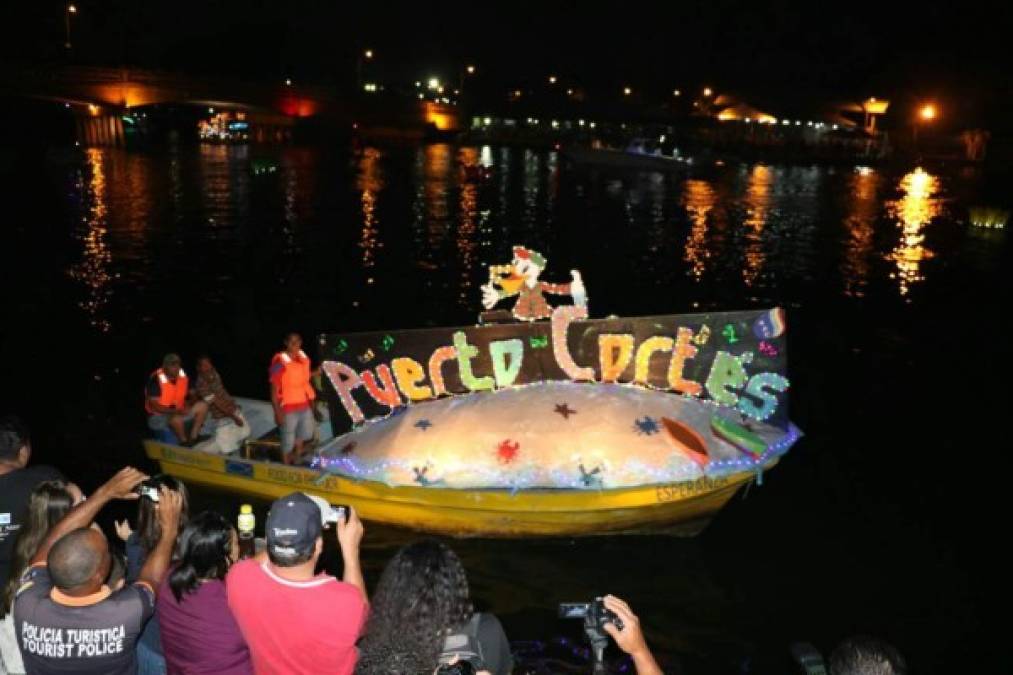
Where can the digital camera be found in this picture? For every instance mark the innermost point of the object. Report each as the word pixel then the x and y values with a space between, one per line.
pixel 335 513
pixel 147 490
pixel 595 614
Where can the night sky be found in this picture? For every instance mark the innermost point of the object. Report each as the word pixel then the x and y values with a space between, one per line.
pixel 771 50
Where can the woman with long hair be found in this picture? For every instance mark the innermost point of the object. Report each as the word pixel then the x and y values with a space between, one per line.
pixel 49 502
pixel 421 600
pixel 139 544
pixel 199 634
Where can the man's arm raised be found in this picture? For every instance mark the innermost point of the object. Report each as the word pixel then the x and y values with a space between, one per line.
pixel 120 486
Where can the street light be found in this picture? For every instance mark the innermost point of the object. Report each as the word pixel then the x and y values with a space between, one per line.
pixel 552 79
pixel 434 83
pixel 928 112
pixel 627 91
pixel 676 92
pixel 471 70
pixel 368 53
pixel 707 91
pixel 71 9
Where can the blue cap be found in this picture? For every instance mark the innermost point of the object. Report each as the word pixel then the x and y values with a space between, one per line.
pixel 293 525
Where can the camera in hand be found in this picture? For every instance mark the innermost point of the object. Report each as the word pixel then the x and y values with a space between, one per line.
pixel 148 490
pixel 459 668
pixel 595 614
pixel 336 513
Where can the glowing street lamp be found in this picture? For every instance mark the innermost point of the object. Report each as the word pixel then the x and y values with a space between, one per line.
pixel 676 92
pixel 707 91
pixel 71 9
pixel 627 91
pixel 288 81
pixel 434 83
pixel 928 112
pixel 552 79
pixel 470 69
pixel 368 54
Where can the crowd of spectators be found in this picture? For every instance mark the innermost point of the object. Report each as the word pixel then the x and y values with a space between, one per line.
pixel 182 601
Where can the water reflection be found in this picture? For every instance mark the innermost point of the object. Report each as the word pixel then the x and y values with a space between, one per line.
pixel 859 222
pixel 913 212
pixel 467 222
pixel 757 201
pixel 93 269
pixel 369 183
pixel 699 200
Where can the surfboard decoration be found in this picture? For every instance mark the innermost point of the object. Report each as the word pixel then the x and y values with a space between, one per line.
pixel 687 441
pixel 738 435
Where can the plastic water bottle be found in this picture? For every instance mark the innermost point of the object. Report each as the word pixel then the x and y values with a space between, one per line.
pixel 578 292
pixel 247 525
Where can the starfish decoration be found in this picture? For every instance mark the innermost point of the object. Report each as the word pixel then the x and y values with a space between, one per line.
pixel 423 424
pixel 565 410
pixel 507 451
pixel 590 478
pixel 420 474
pixel 646 426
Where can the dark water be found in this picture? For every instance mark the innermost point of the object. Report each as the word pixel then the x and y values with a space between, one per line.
pixel 886 519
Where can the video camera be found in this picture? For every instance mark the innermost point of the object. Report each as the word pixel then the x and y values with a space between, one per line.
pixel 595 615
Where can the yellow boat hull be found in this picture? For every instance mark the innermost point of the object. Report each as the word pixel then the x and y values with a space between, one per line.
pixel 679 508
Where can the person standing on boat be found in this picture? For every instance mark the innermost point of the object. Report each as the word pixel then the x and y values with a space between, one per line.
pixel 168 406
pixel 292 396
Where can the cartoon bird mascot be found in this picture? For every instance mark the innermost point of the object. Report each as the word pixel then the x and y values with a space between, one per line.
pixel 520 279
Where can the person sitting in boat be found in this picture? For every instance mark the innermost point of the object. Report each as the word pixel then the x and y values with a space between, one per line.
pixel 422 616
pixel 292 396
pixel 522 281
pixel 170 406
pixel 230 427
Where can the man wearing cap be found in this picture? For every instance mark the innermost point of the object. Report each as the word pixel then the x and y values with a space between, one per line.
pixel 295 621
pixel 168 407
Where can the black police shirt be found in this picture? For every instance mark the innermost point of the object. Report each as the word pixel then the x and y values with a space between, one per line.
pixel 91 635
pixel 15 489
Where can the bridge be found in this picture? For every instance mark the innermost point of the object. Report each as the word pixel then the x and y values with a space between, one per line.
pixel 99 97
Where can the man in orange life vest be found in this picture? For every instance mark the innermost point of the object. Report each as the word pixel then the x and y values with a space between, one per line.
pixel 169 409
pixel 292 396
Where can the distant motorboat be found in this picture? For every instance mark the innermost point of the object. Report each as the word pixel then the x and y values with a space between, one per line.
pixel 638 155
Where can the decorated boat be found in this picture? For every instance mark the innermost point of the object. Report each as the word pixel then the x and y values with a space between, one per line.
pixel 553 424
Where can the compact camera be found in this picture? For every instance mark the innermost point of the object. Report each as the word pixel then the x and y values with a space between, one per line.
pixel 147 490
pixel 335 513
pixel 595 614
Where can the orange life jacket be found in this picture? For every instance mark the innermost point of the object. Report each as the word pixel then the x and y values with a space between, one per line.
pixel 173 394
pixel 293 387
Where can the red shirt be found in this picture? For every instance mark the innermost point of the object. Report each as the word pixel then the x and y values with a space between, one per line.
pixel 294 627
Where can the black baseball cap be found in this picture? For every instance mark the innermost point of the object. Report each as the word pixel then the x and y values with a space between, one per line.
pixel 293 525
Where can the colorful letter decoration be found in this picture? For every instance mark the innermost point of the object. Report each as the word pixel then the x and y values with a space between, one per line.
pixel 613 364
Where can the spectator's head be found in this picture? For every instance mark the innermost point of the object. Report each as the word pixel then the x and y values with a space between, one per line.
pixel 293 530
pixel 866 656
pixel 207 548
pixel 149 531
pixel 48 503
pixel 204 364
pixel 422 596
pixel 15 446
pixel 171 365
pixel 293 342
pixel 79 562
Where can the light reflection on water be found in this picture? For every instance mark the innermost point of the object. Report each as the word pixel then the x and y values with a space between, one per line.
pixel 92 271
pixel 913 211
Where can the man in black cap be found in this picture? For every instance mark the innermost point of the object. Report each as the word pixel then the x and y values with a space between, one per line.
pixel 293 620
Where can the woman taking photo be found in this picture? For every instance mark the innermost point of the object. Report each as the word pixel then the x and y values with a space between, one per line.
pixel 421 601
